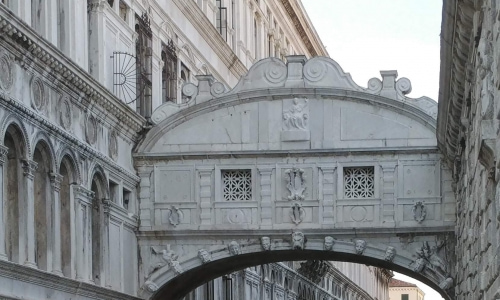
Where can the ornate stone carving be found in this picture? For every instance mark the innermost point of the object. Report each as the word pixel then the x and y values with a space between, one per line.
pixel 38 99
pixel 55 181
pixel 234 248
pixel 176 216
pixel 329 242
pixel 3 154
pixel 315 70
pixel 217 89
pixel 359 246
pixel 65 115
pixel 6 72
pixel 296 183
pixel 275 73
pixel 113 145
pixel 296 117
pixel 29 168
pixel 91 130
pixel 419 211
pixel 298 240
pixel 265 242
pixel 169 258
pixel 418 265
pixel 189 90
pixel 374 85
pixel 403 86
pixel 150 286
pixel 446 284
pixel 390 253
pixel 205 256
pixel 297 213
pixel 431 259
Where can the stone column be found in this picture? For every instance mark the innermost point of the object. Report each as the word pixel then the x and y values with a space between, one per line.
pixel 329 194
pixel 27 216
pixel 266 209
pixel 3 158
pixel 387 193
pixel 106 207
pixel 55 180
pixel 96 39
pixel 205 196
pixel 83 201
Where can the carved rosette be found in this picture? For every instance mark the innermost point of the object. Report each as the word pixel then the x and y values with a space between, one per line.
pixel 65 115
pixel 113 145
pixel 38 99
pixel 91 130
pixel 6 72
pixel 315 70
pixel 275 73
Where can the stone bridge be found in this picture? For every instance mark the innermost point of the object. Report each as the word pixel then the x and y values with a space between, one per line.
pixel 297 162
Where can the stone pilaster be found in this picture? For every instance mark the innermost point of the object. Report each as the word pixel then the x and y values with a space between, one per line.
pixel 27 219
pixel 388 192
pixel 106 207
pixel 206 196
pixel 55 180
pixel 266 209
pixel 83 206
pixel 3 158
pixel 329 194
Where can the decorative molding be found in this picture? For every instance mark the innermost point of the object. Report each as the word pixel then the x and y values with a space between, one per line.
pixel 38 95
pixel 7 72
pixel 419 212
pixel 55 180
pixel 29 168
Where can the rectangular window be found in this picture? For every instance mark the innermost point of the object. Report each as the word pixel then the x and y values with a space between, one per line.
pixel 169 72
pixel 359 182
pixel 114 192
pixel 126 199
pixel 404 297
pixel 237 185
pixel 144 61
pixel 221 19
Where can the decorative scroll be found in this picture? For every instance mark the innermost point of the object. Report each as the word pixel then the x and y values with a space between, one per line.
pixel 296 183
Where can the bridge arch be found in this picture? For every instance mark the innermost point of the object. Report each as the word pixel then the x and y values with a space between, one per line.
pixel 295 147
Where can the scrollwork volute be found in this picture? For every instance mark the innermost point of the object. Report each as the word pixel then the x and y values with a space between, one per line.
pixel 275 72
pixel 315 70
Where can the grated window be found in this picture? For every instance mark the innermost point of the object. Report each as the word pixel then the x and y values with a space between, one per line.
pixel 359 182
pixel 237 185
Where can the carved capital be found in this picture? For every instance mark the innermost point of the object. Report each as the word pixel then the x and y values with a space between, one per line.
pixel 3 154
pixel 83 195
pixel 106 206
pixel 29 168
pixel 55 181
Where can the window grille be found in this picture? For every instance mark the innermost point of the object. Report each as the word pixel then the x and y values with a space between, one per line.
pixel 221 19
pixel 169 72
pixel 237 185
pixel 359 182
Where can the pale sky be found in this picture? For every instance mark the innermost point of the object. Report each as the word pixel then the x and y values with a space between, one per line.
pixel 367 36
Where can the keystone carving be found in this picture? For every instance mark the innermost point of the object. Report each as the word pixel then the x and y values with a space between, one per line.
pixel 298 240
pixel 296 183
pixel 265 242
pixel 234 248
pixel 329 241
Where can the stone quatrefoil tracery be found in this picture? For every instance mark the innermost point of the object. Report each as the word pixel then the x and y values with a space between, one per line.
pixel 237 185
pixel 359 182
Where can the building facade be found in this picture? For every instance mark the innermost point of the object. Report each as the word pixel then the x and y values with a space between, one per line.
pixel 402 290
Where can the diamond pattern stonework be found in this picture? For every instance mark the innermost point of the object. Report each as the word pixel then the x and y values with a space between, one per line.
pixel 237 185
pixel 359 182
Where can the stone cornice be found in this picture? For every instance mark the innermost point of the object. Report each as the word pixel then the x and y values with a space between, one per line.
pixel 457 37
pixel 19 34
pixel 304 27
pixel 211 36
pixel 58 283
pixel 31 116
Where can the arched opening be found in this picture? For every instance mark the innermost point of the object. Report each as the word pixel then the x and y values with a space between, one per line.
pixel 98 187
pixel 182 284
pixel 42 204
pixel 14 141
pixel 67 172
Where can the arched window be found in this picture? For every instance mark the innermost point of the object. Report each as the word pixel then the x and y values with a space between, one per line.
pixel 42 204
pixel 68 177
pixel 98 187
pixel 13 140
